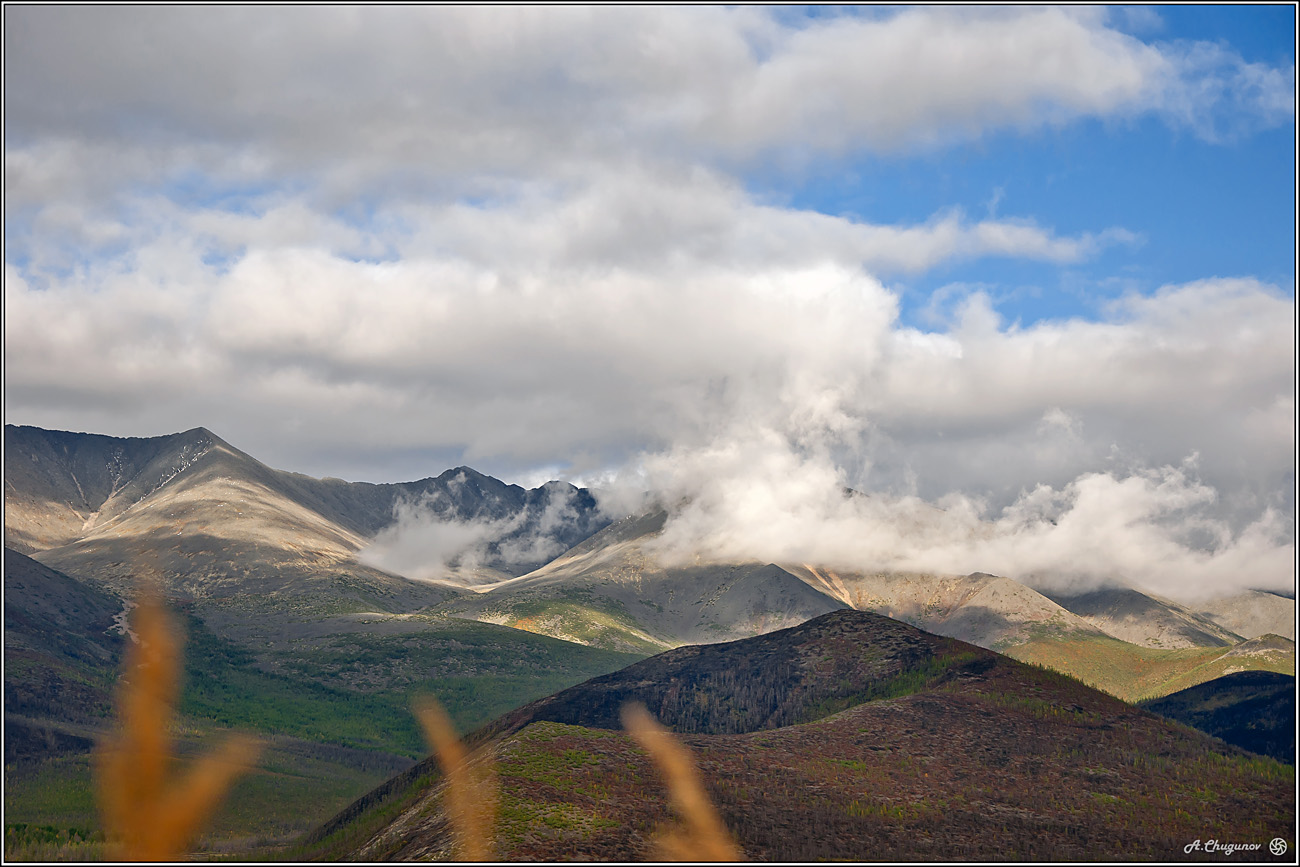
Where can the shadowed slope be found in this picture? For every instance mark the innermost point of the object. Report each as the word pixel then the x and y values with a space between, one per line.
pixel 1254 710
pixel 61 659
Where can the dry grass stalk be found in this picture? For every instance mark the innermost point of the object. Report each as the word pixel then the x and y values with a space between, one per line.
pixel 702 835
pixel 471 790
pixel 146 818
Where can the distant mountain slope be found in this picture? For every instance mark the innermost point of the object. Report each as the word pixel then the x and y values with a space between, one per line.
pixel 1143 620
pixel 612 591
pixel 1135 673
pixel 225 533
pixel 618 575
pixel 983 609
pixel 261 551
pixel 61 487
pixel 1252 614
pixel 1254 710
pixel 1265 653
pixel 908 746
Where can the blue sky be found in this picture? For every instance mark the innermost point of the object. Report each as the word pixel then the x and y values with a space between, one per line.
pixel 995 255
pixel 1200 208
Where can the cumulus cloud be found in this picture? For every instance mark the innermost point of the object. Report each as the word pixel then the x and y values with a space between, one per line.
pixel 1162 377
pixel 1076 453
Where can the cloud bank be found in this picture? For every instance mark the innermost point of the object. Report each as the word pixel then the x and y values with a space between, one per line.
pixel 375 243
pixel 439 94
pixel 1152 529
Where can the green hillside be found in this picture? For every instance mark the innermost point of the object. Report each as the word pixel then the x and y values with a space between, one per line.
pixel 1135 673
pixel 330 738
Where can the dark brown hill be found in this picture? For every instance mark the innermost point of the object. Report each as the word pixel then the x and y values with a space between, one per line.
pixel 782 678
pixel 906 746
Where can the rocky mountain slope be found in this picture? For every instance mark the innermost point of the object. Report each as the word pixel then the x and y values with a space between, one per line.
pixel 1252 613
pixel 269 557
pixel 612 591
pixel 63 487
pixel 850 736
pixel 1146 621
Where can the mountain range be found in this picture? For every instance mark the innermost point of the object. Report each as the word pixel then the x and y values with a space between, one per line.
pixel 273 560
pixel 331 599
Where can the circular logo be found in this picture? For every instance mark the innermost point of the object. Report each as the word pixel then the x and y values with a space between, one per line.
pixel 1278 846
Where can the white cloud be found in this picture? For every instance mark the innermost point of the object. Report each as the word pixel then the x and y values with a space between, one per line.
pixel 762 497
pixel 926 75
pixel 591 360
pixel 423 543
pixel 418 100
pixel 519 236
pixel 1211 90
pixel 419 545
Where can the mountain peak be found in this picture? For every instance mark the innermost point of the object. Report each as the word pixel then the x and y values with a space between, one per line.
pixel 199 433
pixel 61 484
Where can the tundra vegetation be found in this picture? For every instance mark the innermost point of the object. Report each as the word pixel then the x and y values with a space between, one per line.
pixel 856 734
pixel 851 733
